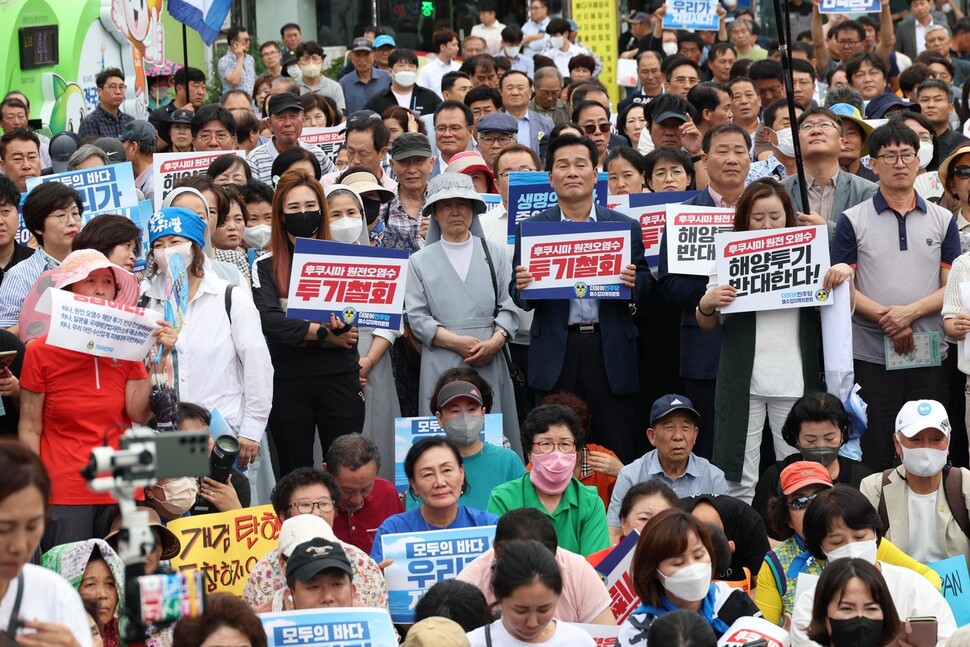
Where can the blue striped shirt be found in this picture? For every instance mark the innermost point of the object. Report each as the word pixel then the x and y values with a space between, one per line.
pixel 16 284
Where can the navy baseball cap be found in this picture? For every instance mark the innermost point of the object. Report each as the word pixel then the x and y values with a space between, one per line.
pixel 669 403
pixel 880 104
pixel 501 122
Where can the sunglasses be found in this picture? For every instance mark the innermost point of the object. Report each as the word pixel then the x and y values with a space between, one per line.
pixel 801 502
pixel 591 129
pixel 962 172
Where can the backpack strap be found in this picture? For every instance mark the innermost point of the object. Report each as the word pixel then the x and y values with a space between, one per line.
pixel 953 489
pixel 229 302
pixel 777 572
pixel 883 513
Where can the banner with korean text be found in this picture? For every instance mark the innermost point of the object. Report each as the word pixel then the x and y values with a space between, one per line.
pixel 849 6
pixel 408 431
pixel 97 327
pixel 326 139
pixel 650 210
pixel 225 545
pixel 576 260
pixel 422 559
pixel 169 168
pixel 690 237
pixel 615 571
pixel 774 268
pixel 333 627
pixel 699 15
pixel 362 286
pixel 530 193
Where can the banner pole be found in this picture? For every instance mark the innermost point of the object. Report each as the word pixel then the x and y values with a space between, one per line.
pixel 784 48
pixel 185 59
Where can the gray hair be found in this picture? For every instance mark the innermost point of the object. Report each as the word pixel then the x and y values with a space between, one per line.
pixel 937 27
pixel 351 451
pixel 650 52
pixel 84 153
pixel 846 94
pixel 547 72
pixel 284 84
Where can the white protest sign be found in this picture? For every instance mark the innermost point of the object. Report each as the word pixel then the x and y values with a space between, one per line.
pixel 327 139
pixel 169 168
pixel 772 269
pixel 690 237
pixel 102 328
pixel 614 569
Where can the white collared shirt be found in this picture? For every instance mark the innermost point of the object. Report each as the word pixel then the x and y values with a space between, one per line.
pixel 583 310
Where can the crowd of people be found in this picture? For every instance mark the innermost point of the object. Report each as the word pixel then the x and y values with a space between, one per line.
pixel 759 498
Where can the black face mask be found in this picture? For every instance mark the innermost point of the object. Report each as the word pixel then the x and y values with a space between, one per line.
pixel 822 455
pixel 372 209
pixel 859 631
pixel 302 224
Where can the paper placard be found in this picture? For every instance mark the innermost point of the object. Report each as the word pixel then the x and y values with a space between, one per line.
pixel 615 571
pixel 326 139
pixel 530 193
pixel 956 586
pixel 334 627
pixel 699 15
pixel 650 210
pixel 626 73
pixel 362 286
pixel 97 327
pixel 690 237
pixel 849 6
pixel 602 635
pixel 926 352
pixel 169 168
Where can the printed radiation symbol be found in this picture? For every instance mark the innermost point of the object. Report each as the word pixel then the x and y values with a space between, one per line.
pixel 349 315
pixel 90 345
pixel 822 295
pixel 580 289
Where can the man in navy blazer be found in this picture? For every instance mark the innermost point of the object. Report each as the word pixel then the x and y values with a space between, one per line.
pixel 725 152
pixel 584 346
pixel 516 89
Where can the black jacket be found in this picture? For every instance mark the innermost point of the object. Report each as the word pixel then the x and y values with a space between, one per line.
pixel 423 101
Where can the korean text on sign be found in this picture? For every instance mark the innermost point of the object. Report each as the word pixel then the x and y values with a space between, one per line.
pixel 530 194
pixel 650 210
pixel 105 187
pixel 326 139
pixel 781 269
pixel 225 545
pixel 691 14
pixel 98 327
pixel 690 237
pixel 169 168
pixel 423 558
pixel 615 571
pixel 334 627
pixel 360 285
pixel 849 6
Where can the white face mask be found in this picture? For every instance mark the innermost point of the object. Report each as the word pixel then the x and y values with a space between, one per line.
pixel 293 71
pixel 512 52
pixel 557 41
pixel 865 550
pixel 786 144
pixel 346 230
pixel 406 78
pixel 670 48
pixel 311 70
pixel 925 153
pixel 175 497
pixel 924 461
pixel 690 583
pixel 162 256
pixel 258 236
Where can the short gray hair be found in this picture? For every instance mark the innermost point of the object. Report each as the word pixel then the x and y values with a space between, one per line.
pixel 550 71
pixel 84 153
pixel 936 27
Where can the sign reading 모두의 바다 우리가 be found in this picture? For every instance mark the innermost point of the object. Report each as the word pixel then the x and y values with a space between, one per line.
pixel 700 15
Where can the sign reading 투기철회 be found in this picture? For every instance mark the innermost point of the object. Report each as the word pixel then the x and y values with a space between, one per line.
pixel 650 210
pixel 849 6
pixel 422 559
pixel 575 260
pixel 97 327
pixel 530 193
pixel 362 286
pixel 700 15
pixel 690 237
pixel 615 571
pixel 408 431
pixel 773 269
pixel 333 627
pixel 326 139
pixel 169 168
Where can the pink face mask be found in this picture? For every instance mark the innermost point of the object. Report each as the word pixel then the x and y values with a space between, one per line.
pixel 552 472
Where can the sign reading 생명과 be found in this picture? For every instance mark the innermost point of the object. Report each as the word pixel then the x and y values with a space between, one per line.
pixel 849 6
pixel 333 627
pixel 576 260
pixel 362 286
pixel 326 139
pixel 225 545
pixel 408 431
pixel 690 237
pixel 773 269
pixel 97 327
pixel 423 558
pixel 530 193
pixel 615 571
pixel 650 210
pixel 169 168
pixel 700 15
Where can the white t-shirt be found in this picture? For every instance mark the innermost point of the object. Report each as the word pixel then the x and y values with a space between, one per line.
pixel 924 540
pixel 777 369
pixel 49 598
pixel 459 254
pixel 403 100
pixel 566 636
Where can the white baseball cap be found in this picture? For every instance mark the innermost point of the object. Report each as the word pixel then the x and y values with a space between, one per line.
pixel 917 415
pixel 301 529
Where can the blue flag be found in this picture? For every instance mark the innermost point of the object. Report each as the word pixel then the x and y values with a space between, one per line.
pixel 204 16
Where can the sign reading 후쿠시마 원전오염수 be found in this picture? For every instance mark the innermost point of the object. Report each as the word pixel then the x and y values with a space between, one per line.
pixel 326 139
pixel 333 627
pixel 690 237
pixel 169 168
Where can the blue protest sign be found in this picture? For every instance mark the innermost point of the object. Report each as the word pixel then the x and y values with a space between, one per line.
pixel 101 188
pixel 956 586
pixel 408 431
pixel 423 558
pixel 530 194
pixel 334 627
pixel 491 199
pixel 849 6
pixel 361 285
pixel 700 15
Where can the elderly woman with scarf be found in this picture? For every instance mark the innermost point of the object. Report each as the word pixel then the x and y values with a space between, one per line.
pixel 457 297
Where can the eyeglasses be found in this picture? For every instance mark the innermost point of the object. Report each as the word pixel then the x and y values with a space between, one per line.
pixel 692 80
pixel 824 126
pixel 454 128
pixel 676 173
pixel 847 43
pixel 962 172
pixel 115 87
pixel 221 136
pixel 307 507
pixel 590 129
pixel 490 140
pixel 801 502
pixel 65 218
pixel 547 446
pixel 892 158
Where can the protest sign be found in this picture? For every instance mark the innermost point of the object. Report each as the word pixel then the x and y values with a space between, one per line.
pixel 333 627
pixel 956 586
pixel 602 635
pixel 326 139
pixel 615 571
pixel 423 558
pixel 225 545
pixel 491 199
pixel 408 431
pixel 650 210
pixel 530 194
pixel 169 168
pixel 690 237
pixel 362 286
pixel 575 260
pixel 699 15
pixel 97 327
pixel 774 269
pixel 849 6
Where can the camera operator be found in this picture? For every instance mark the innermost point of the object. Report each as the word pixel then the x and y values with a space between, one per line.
pixel 222 496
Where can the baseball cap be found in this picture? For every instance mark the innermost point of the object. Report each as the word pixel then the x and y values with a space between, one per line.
pixel 362 45
pixel 301 529
pixel 140 132
pixel 410 145
pixel 315 556
pixel 670 114
pixel 917 415
pixel 384 41
pixel 880 104
pixel 501 122
pixel 639 17
pixel 459 389
pixel 181 116
pixel 436 632
pixel 113 148
pixel 668 404
pixel 285 101
pixel 61 147
pixel 802 473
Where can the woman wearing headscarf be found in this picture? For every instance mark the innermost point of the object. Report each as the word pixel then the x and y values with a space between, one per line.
pixel 457 297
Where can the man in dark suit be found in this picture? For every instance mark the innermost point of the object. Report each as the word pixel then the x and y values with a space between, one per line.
pixel 725 155
pixel 584 346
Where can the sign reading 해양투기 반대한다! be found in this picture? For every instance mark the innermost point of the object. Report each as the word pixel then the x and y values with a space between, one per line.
pixel 97 327
pixel 614 569
pixel 326 139
pixel 575 260
pixel 691 14
pixel 362 286
pixel 422 559
pixel 225 545
pixel 956 586
pixel 690 237
pixel 650 210
pixel 169 168
pixel 773 269
pixel 408 431
pixel 849 6
pixel 333 627
pixel 530 193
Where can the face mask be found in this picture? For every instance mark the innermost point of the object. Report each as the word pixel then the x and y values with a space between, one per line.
pixel 258 236
pixel 859 631
pixel 405 79
pixel 557 41
pixel 924 461
pixel 865 550
pixel 925 153
pixel 376 232
pixel 162 256
pixel 512 52
pixel 670 48
pixel 821 455
pixel 464 429
pixel 552 472
pixel 294 71
pixel 302 224
pixel 310 70
pixel 372 209
pixel 691 583
pixel 786 144
pixel 176 497
pixel 346 230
